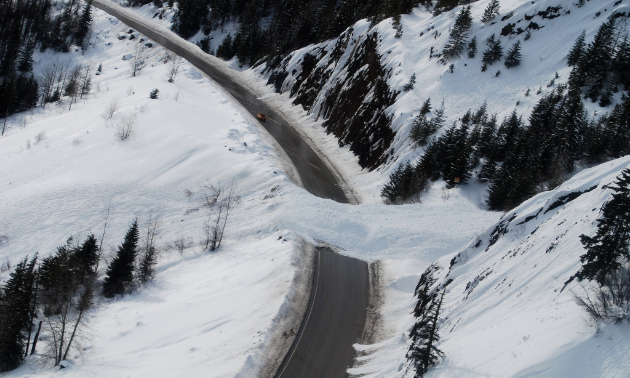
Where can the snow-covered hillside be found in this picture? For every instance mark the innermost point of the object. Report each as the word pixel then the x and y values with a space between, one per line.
pixel 314 83
pixel 504 312
pixel 217 313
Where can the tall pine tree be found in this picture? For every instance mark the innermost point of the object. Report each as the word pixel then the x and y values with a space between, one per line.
pixel 609 247
pixel 16 301
pixel 459 34
pixel 120 271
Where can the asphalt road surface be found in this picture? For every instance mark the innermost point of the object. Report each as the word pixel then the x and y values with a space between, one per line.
pixel 315 175
pixel 334 320
pixel 336 314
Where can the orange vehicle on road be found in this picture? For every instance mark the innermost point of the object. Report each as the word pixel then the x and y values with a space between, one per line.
pixel 261 117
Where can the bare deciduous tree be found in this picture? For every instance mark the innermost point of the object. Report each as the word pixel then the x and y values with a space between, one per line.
pixel 215 223
pixel 138 61
pixel 148 257
pixel 174 62
pixel 86 80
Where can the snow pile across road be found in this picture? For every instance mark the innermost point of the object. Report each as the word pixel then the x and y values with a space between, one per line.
pixel 504 314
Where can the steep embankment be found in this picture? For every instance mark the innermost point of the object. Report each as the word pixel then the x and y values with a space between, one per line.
pixel 355 85
pixel 504 313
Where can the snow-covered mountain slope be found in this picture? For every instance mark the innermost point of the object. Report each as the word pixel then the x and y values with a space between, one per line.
pixel 504 314
pixel 211 314
pixel 374 122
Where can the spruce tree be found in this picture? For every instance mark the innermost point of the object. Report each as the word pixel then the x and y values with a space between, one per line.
pixel 494 51
pixel 423 352
pixel 85 258
pixel 492 10
pixel 85 23
pixel 513 57
pixel 16 301
pixel 609 247
pixel 472 47
pixel 426 107
pixel 577 50
pixel 25 61
pixel 119 275
pixel 459 34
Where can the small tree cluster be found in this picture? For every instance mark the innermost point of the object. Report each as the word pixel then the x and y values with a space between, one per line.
pixel 604 64
pixel 423 127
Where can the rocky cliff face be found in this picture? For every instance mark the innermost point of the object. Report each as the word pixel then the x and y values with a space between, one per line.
pixel 344 82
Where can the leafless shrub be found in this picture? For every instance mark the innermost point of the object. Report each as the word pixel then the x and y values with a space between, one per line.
pixel 188 193
pixel 148 257
pixel 609 303
pixel 39 137
pixel 125 127
pixel 216 221
pixel 28 144
pixel 181 244
pixel 209 194
pixel 130 91
pixel 85 80
pixel 138 61
pixel 77 141
pixel 176 95
pixel 174 62
pixel 111 108
pixel 143 108
pixel 22 121
pixel 4 240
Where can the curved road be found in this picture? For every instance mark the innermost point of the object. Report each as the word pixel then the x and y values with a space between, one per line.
pixel 336 313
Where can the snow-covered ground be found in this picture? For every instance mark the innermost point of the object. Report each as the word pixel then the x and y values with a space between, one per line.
pixel 505 314
pixel 213 314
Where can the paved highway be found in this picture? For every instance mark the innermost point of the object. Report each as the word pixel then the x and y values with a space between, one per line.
pixel 315 175
pixel 336 314
pixel 334 320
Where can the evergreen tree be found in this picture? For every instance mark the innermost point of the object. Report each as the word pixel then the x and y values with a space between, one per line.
pixel 16 300
pixel 404 182
pixel 426 107
pixel 621 63
pixel 459 34
pixel 25 61
pixel 492 10
pixel 119 275
pixel 609 247
pixel 577 50
pixel 423 352
pixel 85 258
pixel 84 25
pixel 472 47
pixel 513 57
pixel 494 51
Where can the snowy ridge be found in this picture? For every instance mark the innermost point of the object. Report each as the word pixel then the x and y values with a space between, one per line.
pixel 504 313
pixel 553 32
